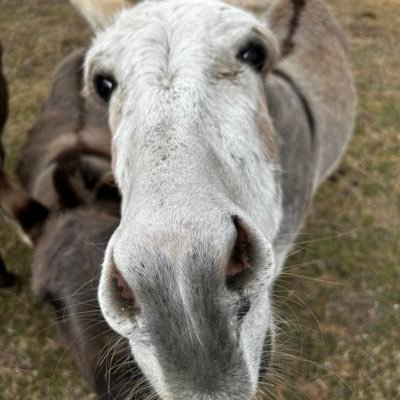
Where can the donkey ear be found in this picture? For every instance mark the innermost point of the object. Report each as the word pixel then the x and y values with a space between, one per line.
pixel 100 13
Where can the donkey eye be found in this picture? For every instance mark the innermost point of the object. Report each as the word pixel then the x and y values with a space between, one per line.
pixel 104 86
pixel 253 54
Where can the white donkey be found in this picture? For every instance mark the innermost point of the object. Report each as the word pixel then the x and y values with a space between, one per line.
pixel 223 126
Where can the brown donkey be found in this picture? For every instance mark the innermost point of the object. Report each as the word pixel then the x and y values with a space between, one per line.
pixel 67 208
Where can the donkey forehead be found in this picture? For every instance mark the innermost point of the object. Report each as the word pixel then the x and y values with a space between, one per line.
pixel 176 29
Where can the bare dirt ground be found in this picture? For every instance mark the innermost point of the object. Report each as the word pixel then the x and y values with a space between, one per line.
pixel 339 300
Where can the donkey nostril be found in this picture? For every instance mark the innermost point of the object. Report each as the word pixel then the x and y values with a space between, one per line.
pixel 124 291
pixel 239 265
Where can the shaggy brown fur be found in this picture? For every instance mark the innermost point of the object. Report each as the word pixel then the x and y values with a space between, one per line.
pixel 66 125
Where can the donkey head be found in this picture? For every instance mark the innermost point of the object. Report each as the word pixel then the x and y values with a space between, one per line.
pixel 187 274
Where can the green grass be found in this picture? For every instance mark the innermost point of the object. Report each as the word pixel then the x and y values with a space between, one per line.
pixel 341 290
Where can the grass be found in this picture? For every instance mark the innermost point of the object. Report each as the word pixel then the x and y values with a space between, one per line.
pixel 340 295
